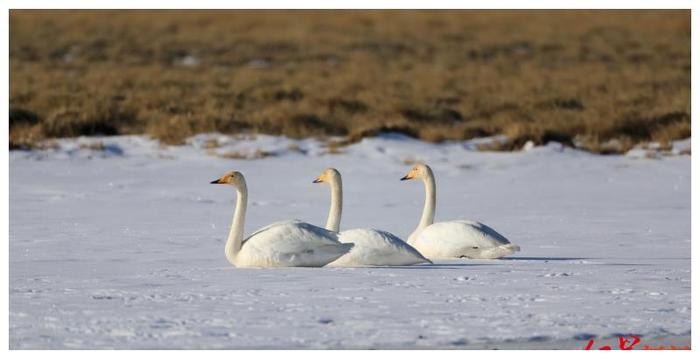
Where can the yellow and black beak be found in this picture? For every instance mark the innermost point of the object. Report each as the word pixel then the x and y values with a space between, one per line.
pixel 216 181
pixel 406 177
pixel 318 180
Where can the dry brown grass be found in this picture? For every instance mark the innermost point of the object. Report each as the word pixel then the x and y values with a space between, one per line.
pixel 583 78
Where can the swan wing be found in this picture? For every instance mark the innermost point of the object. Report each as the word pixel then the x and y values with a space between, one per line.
pixel 292 243
pixel 271 226
pixel 463 238
pixel 485 233
pixel 377 248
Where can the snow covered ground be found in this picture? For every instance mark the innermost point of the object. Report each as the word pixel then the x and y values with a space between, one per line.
pixel 121 246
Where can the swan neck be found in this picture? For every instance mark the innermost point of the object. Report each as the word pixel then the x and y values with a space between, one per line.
pixel 235 236
pixel 336 210
pixel 429 207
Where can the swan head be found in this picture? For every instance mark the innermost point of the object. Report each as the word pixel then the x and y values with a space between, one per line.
pixel 233 178
pixel 328 175
pixel 420 170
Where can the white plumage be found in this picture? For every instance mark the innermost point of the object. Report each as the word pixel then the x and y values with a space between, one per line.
pixel 462 239
pixel 453 239
pixel 281 244
pixel 376 248
pixel 291 244
pixel 372 247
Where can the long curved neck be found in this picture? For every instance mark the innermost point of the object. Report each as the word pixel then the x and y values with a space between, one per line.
pixel 429 207
pixel 235 235
pixel 333 222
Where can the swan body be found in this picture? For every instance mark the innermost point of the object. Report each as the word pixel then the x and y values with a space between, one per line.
pixel 281 244
pixel 376 248
pixel 453 239
pixel 372 247
pixel 462 239
pixel 290 244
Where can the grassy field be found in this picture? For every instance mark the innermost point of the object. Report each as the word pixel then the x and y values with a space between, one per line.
pixel 602 81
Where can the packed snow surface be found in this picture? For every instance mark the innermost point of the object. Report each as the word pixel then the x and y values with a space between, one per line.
pixel 121 245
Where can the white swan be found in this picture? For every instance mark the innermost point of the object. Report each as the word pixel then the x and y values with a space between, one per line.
pixel 453 239
pixel 372 247
pixel 281 244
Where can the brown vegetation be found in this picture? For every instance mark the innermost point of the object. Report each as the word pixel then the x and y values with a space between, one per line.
pixel 583 78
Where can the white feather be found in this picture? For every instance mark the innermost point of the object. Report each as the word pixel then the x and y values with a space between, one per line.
pixel 281 244
pixel 453 239
pixel 462 239
pixel 377 248
pixel 372 247
pixel 290 244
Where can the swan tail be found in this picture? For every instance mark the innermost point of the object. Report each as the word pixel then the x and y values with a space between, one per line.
pixel 512 247
pixel 416 256
pixel 499 252
pixel 507 249
pixel 424 259
pixel 339 251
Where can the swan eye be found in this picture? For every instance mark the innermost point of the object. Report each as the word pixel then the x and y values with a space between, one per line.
pixel 475 247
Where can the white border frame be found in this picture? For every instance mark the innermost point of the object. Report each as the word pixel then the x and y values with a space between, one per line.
pixel 271 4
